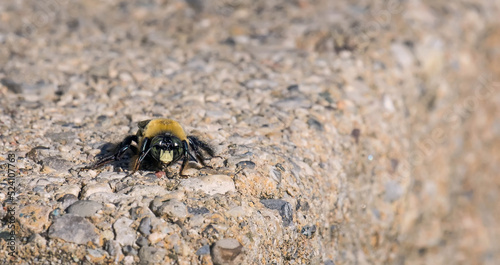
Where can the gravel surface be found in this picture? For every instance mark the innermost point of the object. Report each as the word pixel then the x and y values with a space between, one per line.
pixel 346 132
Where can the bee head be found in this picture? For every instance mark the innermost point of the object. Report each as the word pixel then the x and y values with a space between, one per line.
pixel 166 148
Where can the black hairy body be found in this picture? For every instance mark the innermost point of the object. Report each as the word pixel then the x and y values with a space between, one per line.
pixel 158 144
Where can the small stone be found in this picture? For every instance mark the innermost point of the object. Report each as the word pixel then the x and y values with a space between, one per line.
pixel 210 232
pixel 246 164
pixel 155 237
pixel 173 209
pixel 67 200
pixel 125 235
pixel 210 185
pixel 292 103
pixel 60 137
pixel 160 174
pixel 198 211
pixel 355 134
pixel 284 208
pixel 40 241
pixel 152 255
pixel 205 250
pixel 196 5
pixel 68 189
pixel 73 229
pixel 145 191
pixel 129 250
pixel 142 241
pixel 95 255
pixel 302 205
pixel 107 234
pixel 56 213
pixel 140 212
pixel 95 188
pixel 145 226
pixel 106 197
pixel 329 262
pixel 293 88
pixel 393 191
pixel 315 124
pixel 12 86
pixel 239 211
pixel 403 55
pixel 308 230
pixel 114 249
pixel 99 71
pixel 57 163
pixel 108 176
pixel 39 189
pixel 34 218
pixel 226 251
pixel 84 208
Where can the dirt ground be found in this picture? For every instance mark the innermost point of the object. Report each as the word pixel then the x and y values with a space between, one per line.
pixel 346 132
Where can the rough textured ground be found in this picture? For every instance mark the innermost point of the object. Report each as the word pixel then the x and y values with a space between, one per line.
pixel 354 132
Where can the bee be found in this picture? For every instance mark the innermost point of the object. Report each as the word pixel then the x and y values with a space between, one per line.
pixel 159 144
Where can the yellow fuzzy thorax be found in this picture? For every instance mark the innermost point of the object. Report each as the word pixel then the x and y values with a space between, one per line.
pixel 152 128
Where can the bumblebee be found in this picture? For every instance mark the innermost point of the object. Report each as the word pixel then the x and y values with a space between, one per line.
pixel 159 144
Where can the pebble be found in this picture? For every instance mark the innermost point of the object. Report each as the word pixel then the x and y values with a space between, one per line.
pixel 205 250
pixel 107 176
pixel 393 191
pixel 84 208
pixel 173 209
pixel 155 237
pixel 34 218
pixel 73 229
pixel 107 197
pixel 211 185
pixel 124 234
pixel 152 255
pixel 145 226
pixel 57 164
pixel 129 250
pixel 292 103
pixel 12 85
pixel 198 211
pixel 68 189
pixel 138 191
pixel 142 241
pixel 403 55
pixel 233 160
pixel 140 212
pixel 246 164
pixel 67 200
pixel 285 209
pixel 39 240
pixel 239 211
pixel 308 230
pixel 114 250
pixel 226 250
pixel 95 255
pixel 95 188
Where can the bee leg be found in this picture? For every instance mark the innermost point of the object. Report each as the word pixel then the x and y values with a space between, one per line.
pixel 125 145
pixel 185 159
pixel 184 163
pixel 197 145
pixel 140 157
